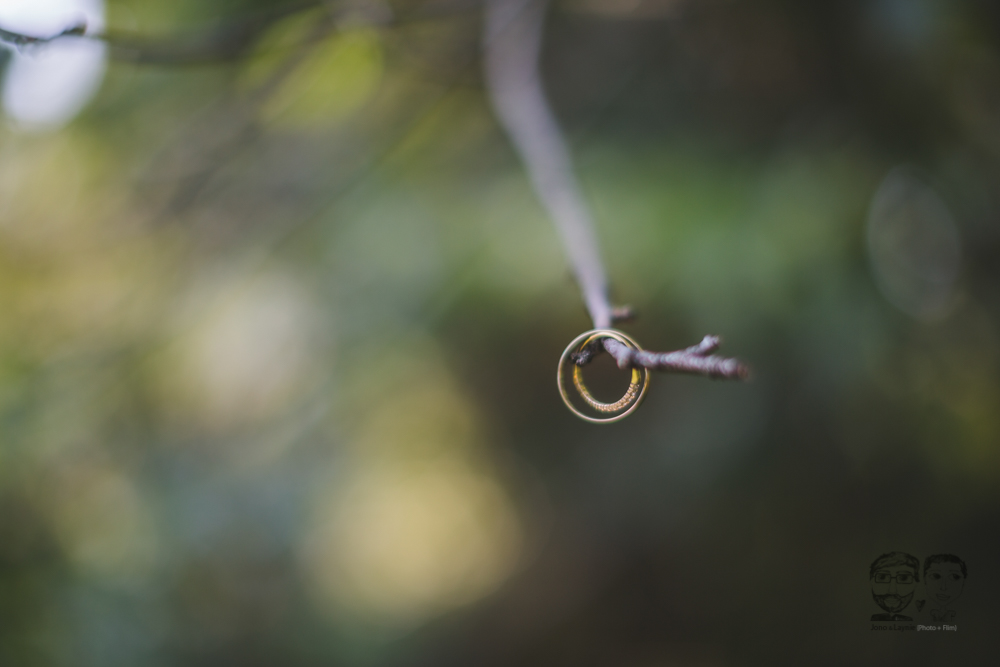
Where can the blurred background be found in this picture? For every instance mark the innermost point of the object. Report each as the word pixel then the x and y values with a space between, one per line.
pixel 280 317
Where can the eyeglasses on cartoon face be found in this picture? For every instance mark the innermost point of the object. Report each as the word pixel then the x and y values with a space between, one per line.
pixel 902 579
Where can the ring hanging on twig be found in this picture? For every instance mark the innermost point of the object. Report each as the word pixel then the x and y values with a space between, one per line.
pixel 605 412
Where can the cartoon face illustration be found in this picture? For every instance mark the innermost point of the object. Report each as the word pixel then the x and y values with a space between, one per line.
pixel 944 577
pixel 892 587
pixel 893 579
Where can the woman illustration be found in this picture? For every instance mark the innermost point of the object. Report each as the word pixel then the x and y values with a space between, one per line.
pixel 944 579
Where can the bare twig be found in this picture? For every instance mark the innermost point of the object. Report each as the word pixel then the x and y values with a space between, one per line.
pixel 19 39
pixel 513 36
pixel 695 359
pixel 622 314
pixel 232 38
pixel 224 41
pixel 512 43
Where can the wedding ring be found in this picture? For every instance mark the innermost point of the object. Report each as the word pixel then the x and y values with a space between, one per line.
pixel 603 413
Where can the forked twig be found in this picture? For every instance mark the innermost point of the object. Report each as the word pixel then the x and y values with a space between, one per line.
pixel 697 359
pixel 512 41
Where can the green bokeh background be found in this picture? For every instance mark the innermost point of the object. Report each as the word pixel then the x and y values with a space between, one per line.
pixel 278 340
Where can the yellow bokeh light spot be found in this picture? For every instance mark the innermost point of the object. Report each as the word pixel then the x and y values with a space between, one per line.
pixel 413 520
pixel 247 360
pixel 399 545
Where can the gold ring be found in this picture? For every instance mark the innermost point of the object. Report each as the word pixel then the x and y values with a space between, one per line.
pixel 620 408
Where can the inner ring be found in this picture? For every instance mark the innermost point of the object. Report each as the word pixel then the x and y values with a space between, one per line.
pixel 630 394
pixel 620 408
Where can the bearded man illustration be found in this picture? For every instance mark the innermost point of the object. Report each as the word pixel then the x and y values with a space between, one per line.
pixel 893 577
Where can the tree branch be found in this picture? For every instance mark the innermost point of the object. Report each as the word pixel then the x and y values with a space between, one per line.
pixel 232 38
pixel 512 43
pixel 19 40
pixel 224 41
pixel 513 37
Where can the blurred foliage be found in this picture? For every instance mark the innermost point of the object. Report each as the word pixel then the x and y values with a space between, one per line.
pixel 278 337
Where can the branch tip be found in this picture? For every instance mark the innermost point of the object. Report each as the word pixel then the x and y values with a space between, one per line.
pixel 622 314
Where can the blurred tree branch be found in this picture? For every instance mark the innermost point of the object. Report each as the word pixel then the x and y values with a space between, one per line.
pixel 227 40
pixel 19 40
pixel 512 41
pixel 231 39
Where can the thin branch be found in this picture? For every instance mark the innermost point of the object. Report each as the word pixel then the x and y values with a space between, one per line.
pixel 512 44
pixel 695 359
pixel 225 41
pixel 19 39
pixel 231 39
pixel 622 314
pixel 513 40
